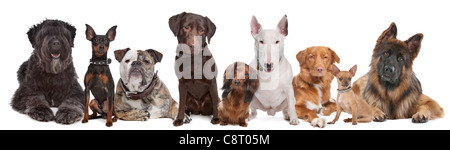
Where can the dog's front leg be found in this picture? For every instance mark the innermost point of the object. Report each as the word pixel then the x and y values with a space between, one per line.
pixel 215 101
pixel 291 105
pixel 32 104
pixel 72 107
pixel 182 107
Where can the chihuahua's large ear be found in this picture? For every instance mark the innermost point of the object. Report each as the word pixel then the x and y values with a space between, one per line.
pixel 282 26
pixel 353 70
pixel 334 56
pixel 211 29
pixel 335 70
pixel 414 43
pixel 157 56
pixel 389 33
pixel 90 33
pixel 111 34
pixel 255 26
pixel 175 23
pixel 119 54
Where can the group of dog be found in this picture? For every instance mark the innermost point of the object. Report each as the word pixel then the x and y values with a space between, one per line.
pixel 390 90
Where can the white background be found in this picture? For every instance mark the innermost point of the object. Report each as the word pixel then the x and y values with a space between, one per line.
pixel 348 27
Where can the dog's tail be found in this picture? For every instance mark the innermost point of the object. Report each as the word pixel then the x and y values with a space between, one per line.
pixel 21 71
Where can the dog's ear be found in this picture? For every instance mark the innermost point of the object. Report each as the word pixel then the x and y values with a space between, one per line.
pixel 73 32
pixel 389 33
pixel 255 26
pixel 301 57
pixel 111 34
pixel 334 56
pixel 353 70
pixel 174 23
pixel 119 54
pixel 414 43
pixel 90 33
pixel 155 54
pixel 335 70
pixel 211 29
pixel 32 33
pixel 282 26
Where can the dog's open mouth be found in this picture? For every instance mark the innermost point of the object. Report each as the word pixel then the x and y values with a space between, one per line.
pixel 55 55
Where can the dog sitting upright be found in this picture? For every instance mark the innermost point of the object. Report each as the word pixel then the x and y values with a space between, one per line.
pixel 275 91
pixel 195 66
pixel 240 83
pixel 347 100
pixel 98 79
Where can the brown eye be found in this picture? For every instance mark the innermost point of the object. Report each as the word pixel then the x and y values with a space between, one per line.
pixel 386 54
pixel 311 57
pixel 201 31
pixel 340 79
pixel 146 61
pixel 277 42
pixel 96 40
pixel 187 28
pixel 400 58
pixel 325 57
pixel 127 61
pixel 349 79
pixel 262 42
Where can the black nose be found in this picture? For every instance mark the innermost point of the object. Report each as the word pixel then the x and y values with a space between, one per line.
pixel 136 63
pixel 269 65
pixel 102 47
pixel 345 84
pixel 236 82
pixel 389 68
pixel 56 44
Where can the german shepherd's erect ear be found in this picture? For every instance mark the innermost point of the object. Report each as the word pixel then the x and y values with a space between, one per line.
pixel 389 33
pixel 414 43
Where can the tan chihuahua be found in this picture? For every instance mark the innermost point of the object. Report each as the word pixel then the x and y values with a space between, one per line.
pixel 348 101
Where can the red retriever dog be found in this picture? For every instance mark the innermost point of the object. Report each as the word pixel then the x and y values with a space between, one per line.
pixel 312 84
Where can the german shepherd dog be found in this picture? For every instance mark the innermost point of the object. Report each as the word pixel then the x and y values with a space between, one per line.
pixel 391 87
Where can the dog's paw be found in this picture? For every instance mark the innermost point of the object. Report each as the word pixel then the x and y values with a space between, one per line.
pixel 187 119
pixel 67 116
pixel 41 113
pixel 419 118
pixel 318 122
pixel 379 117
pixel 215 120
pixel 178 122
pixel 294 121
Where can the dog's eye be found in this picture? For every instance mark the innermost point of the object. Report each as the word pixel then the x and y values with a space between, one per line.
pixel 400 58
pixel 146 61
pixel 187 28
pixel 246 74
pixel 201 31
pixel 349 79
pixel 311 57
pixel 386 54
pixel 325 57
pixel 277 42
pixel 262 42
pixel 340 79
pixel 127 61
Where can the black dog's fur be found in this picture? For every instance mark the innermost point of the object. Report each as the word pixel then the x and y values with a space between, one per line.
pixel 48 78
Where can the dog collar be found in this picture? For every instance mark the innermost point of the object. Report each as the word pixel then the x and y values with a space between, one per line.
pixel 140 95
pixel 344 90
pixel 100 62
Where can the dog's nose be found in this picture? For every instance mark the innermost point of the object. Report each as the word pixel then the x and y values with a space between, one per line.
pixel 236 82
pixel 102 47
pixel 269 65
pixel 319 69
pixel 136 63
pixel 389 68
pixel 56 44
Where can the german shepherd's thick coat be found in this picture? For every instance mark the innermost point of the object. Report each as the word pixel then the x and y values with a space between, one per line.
pixel 391 87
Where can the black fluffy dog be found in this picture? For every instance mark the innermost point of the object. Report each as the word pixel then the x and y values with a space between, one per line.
pixel 48 78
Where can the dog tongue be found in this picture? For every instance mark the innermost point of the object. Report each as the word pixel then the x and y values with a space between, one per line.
pixel 56 55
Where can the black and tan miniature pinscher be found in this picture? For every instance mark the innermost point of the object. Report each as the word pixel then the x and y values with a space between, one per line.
pixel 98 79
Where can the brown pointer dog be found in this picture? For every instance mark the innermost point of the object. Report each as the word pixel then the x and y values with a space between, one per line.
pixel 198 90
